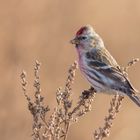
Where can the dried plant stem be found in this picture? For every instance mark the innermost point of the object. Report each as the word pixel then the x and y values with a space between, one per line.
pixel 37 108
pixel 24 85
pixel 115 105
pixel 67 92
pixel 131 63
pixel 67 125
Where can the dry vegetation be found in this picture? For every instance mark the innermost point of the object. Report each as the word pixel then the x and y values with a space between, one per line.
pixel 56 126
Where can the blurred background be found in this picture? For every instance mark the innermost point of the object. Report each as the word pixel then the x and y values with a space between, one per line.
pixel 34 29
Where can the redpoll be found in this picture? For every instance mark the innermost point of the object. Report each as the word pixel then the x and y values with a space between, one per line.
pixel 99 67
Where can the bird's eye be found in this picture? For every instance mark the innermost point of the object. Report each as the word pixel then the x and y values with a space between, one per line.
pixel 82 37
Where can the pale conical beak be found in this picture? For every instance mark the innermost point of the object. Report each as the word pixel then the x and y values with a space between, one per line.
pixel 74 41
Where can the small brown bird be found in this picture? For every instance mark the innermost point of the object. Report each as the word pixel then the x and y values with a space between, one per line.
pixel 99 67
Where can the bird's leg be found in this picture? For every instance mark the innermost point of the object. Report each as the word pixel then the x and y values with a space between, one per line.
pixel 87 93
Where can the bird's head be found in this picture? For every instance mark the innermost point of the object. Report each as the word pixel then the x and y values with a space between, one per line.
pixel 86 38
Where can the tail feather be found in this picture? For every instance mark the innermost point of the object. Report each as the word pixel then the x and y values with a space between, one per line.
pixel 134 97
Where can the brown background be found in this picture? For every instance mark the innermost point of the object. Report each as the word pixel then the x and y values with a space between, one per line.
pixel 41 29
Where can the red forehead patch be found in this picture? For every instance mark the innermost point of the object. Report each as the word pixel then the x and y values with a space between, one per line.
pixel 81 31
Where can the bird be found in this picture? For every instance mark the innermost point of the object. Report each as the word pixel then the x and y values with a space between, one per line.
pixel 99 67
